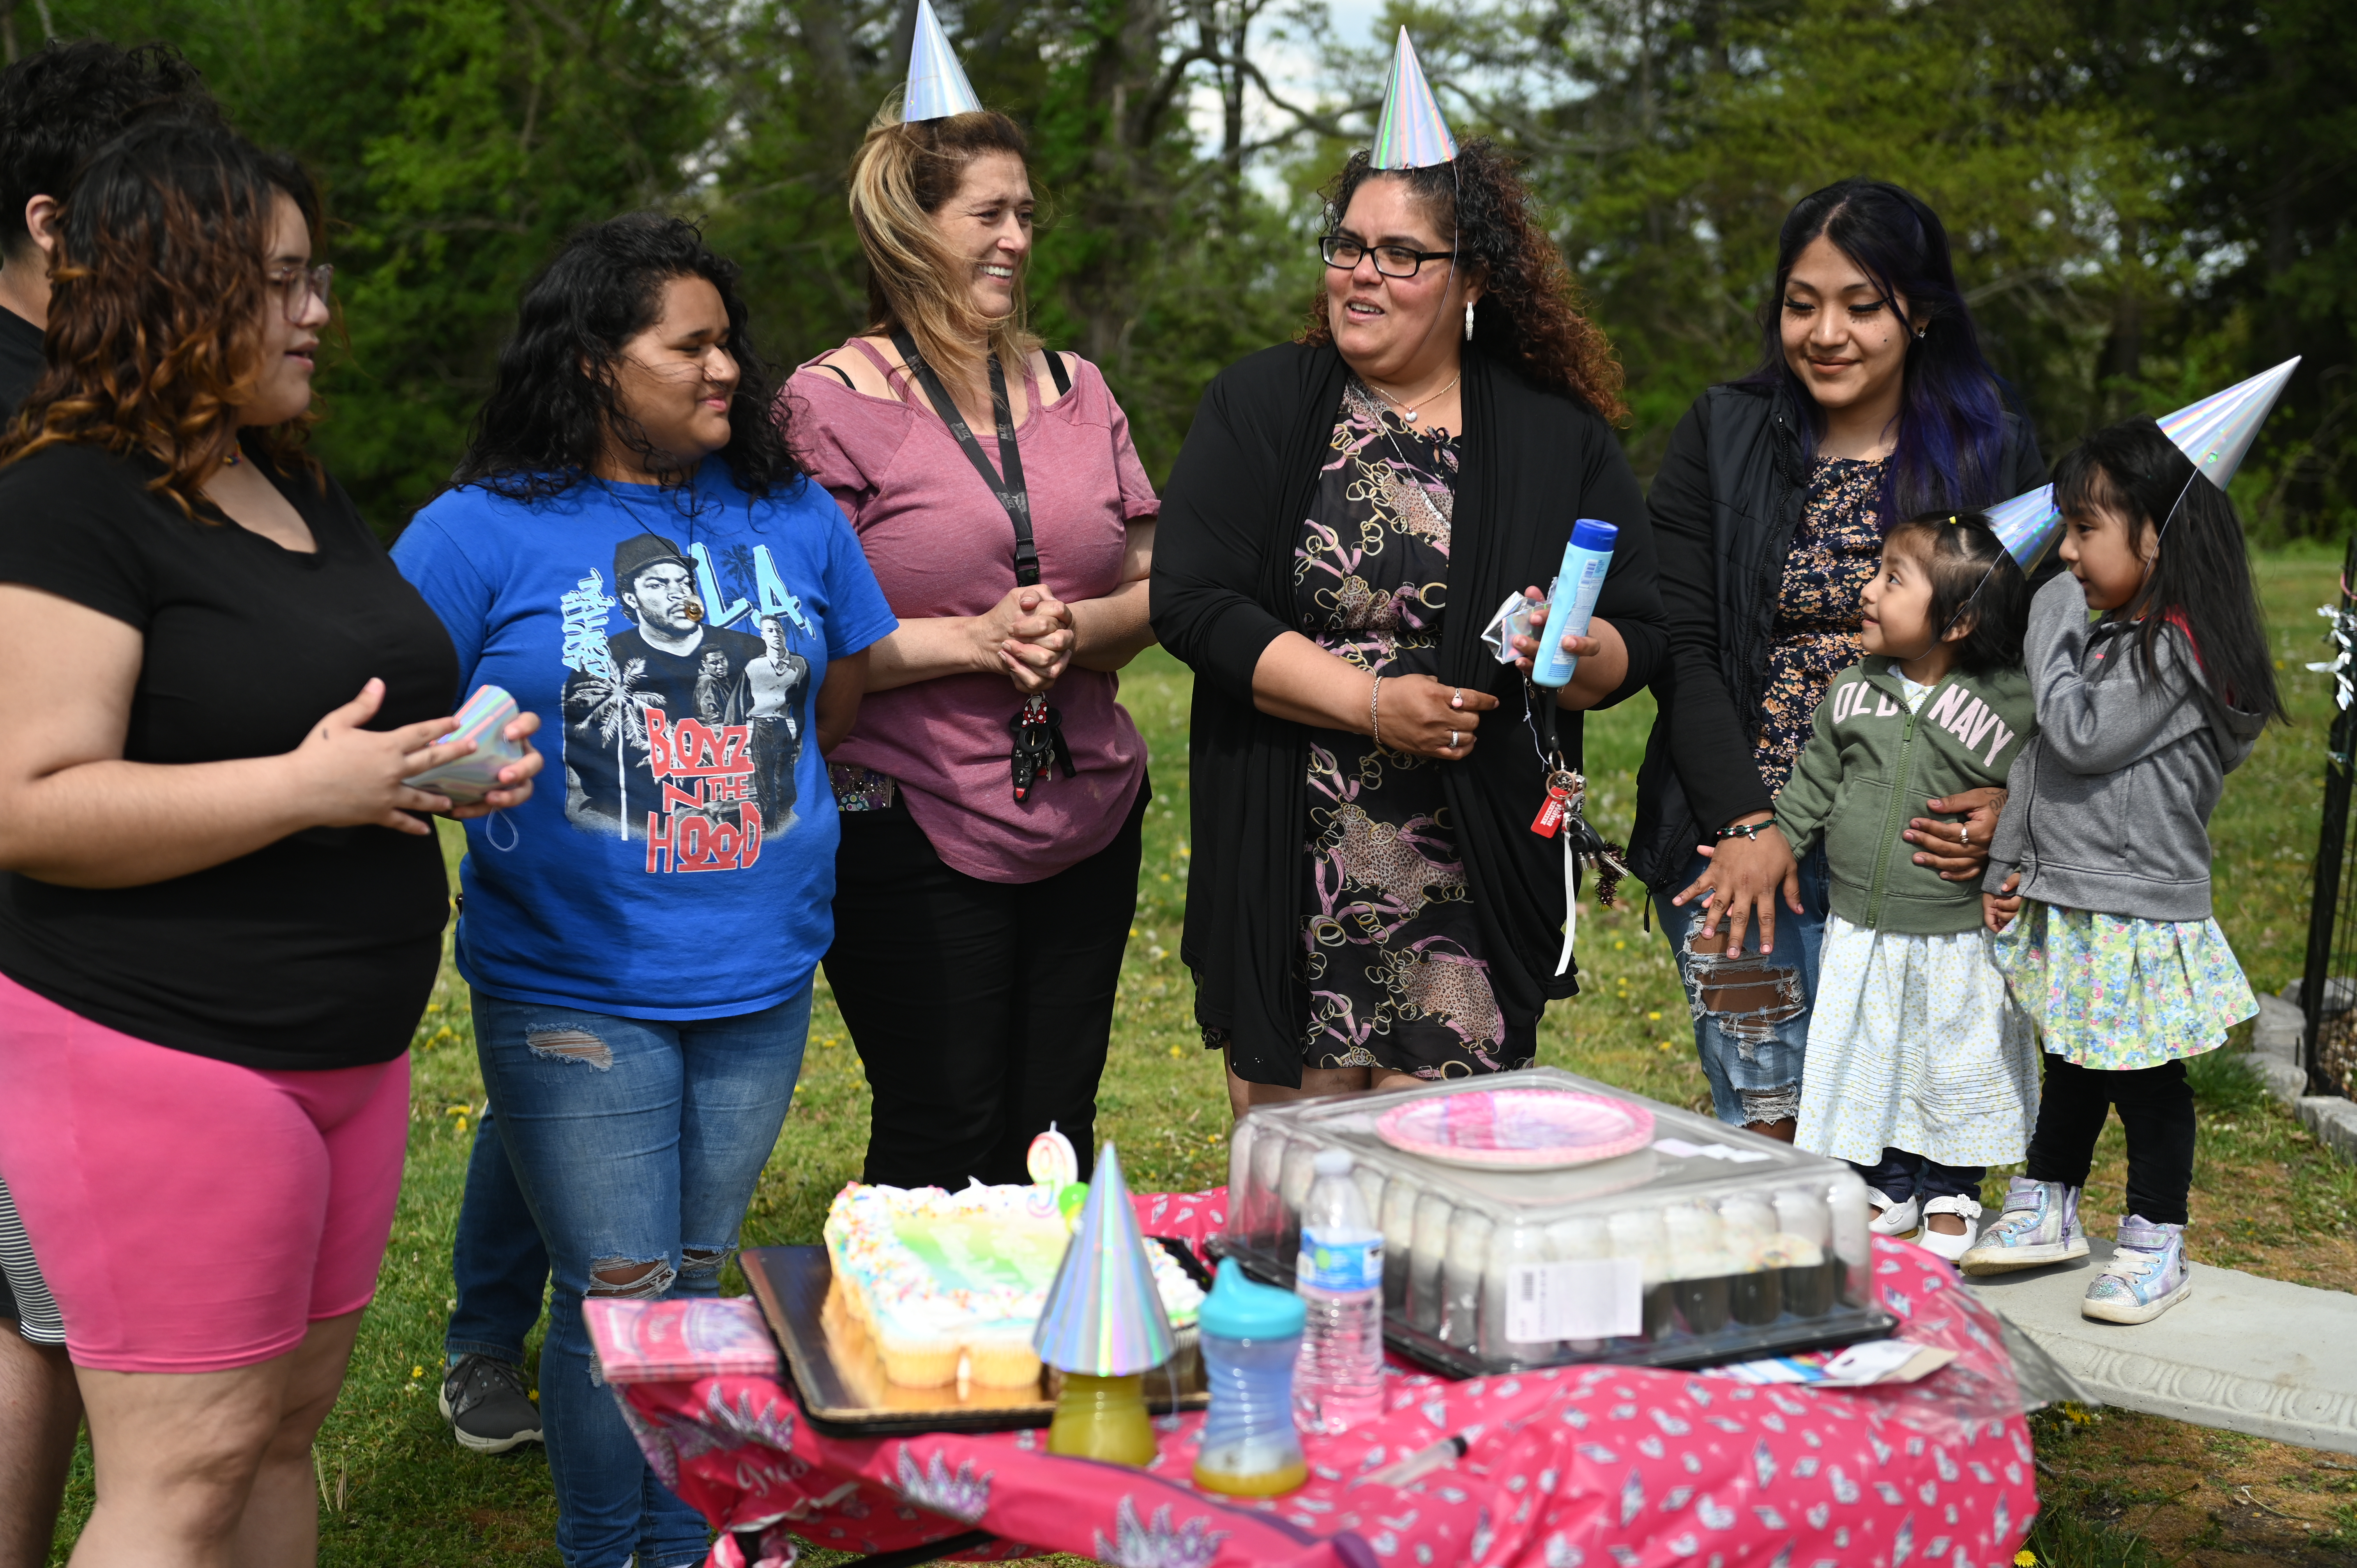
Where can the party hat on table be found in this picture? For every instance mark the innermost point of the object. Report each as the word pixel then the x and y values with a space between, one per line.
pixel 937 84
pixel 1411 134
pixel 1104 1316
pixel 2214 435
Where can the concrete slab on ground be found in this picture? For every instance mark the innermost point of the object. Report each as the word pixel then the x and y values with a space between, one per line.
pixel 2250 1355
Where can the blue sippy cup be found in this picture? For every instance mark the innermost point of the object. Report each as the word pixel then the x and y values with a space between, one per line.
pixel 1251 1334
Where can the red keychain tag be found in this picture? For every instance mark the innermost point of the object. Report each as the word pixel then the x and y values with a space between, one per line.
pixel 1557 804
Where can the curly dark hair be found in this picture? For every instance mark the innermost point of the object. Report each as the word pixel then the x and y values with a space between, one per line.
pixel 156 303
pixel 1529 315
pixel 552 398
pixel 60 104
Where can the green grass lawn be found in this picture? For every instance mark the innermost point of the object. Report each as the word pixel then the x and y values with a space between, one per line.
pixel 396 1491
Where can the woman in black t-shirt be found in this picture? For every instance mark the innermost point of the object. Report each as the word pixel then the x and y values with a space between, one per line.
pixel 222 907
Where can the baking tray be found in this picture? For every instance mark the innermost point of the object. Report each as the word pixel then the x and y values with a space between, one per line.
pixel 839 1378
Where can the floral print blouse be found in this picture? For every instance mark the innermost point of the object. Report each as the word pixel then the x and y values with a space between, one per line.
pixel 1816 634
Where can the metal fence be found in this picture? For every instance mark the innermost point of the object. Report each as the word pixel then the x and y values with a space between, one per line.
pixel 2328 989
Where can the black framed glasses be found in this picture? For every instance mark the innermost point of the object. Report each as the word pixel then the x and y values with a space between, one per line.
pixel 295 286
pixel 1343 253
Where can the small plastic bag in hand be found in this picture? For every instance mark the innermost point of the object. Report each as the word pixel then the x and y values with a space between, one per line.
pixel 1512 620
pixel 484 719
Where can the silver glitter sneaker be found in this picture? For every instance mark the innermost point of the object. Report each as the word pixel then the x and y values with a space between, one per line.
pixel 2039 1225
pixel 2146 1277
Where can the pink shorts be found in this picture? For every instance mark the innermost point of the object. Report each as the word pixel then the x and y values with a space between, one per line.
pixel 191 1215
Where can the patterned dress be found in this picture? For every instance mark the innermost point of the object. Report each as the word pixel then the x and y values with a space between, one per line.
pixel 1833 554
pixel 2116 992
pixel 1397 974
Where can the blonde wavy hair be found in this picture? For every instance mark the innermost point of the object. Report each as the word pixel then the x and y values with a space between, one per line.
pixel 901 176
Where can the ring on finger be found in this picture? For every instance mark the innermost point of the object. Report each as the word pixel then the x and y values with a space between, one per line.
pixel 1964 834
pixel 1456 696
pixel 1452 740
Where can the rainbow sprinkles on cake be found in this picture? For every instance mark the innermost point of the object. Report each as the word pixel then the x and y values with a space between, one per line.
pixel 937 1279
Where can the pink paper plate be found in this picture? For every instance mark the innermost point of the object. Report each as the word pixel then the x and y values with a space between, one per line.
pixel 1517 1129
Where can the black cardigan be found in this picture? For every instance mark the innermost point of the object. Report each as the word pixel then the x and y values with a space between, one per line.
pixel 1724 507
pixel 1532 462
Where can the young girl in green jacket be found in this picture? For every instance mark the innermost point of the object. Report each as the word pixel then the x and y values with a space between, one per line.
pixel 1920 1071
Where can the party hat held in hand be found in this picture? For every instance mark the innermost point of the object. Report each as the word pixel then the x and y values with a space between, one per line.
pixel 937 84
pixel 1103 1327
pixel 1411 134
pixel 2215 434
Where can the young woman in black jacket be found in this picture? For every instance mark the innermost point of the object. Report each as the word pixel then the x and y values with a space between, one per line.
pixel 1367 901
pixel 1872 402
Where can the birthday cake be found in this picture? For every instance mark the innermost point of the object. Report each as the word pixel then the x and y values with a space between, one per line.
pixel 937 1279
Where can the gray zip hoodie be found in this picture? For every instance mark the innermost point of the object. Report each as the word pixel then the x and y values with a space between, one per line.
pixel 2109 808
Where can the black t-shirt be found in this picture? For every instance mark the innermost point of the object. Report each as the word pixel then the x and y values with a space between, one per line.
pixel 20 360
pixel 318 951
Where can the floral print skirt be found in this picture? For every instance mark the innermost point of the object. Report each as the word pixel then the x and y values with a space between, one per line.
pixel 2112 992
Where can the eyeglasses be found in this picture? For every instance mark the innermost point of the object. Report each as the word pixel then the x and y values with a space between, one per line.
pixel 296 287
pixel 1393 261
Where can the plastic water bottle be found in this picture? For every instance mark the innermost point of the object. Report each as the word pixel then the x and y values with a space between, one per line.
pixel 1339 1278
pixel 1251 1337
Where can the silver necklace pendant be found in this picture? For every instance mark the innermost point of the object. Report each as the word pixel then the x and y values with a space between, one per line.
pixel 1408 415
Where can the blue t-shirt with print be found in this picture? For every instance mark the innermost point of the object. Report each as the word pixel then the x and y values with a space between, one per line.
pixel 676 860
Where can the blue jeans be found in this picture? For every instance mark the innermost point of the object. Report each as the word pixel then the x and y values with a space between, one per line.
pixel 497 1266
pixel 636 1144
pixel 1751 1014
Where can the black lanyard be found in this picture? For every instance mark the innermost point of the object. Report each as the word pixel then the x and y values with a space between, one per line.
pixel 1010 490
pixel 1038 728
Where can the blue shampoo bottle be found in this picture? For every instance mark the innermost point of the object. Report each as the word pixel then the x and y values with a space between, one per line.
pixel 1572 598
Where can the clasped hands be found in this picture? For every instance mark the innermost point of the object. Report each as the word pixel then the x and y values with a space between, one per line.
pixel 1029 637
pixel 1745 875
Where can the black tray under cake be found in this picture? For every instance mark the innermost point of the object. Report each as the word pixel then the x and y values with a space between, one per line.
pixel 839 1379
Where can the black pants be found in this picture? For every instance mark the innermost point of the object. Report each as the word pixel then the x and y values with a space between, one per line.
pixel 1902 1175
pixel 981 1009
pixel 2155 1107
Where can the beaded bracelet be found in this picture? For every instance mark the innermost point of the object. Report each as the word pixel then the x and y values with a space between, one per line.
pixel 1740 830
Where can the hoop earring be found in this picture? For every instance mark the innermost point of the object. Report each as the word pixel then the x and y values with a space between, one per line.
pixel 1469 321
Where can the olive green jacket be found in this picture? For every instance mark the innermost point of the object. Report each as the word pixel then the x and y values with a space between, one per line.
pixel 1870 765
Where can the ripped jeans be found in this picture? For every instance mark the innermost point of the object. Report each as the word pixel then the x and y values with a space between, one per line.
pixel 1751 1014
pixel 637 1143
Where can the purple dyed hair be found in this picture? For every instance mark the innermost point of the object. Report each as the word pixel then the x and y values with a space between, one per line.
pixel 1951 410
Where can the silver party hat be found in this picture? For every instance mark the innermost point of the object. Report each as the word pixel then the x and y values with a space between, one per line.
pixel 1411 134
pixel 2215 435
pixel 1103 1315
pixel 937 84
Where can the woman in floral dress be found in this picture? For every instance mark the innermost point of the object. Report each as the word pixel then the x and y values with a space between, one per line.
pixel 1367 901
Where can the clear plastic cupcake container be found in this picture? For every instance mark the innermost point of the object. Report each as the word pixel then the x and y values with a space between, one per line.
pixel 1710 1245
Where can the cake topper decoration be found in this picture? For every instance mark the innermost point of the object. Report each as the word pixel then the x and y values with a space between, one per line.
pixel 937 85
pixel 1104 1316
pixel 1411 134
pixel 2215 435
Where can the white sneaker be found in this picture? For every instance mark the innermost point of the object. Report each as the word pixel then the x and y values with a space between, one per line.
pixel 1896 1218
pixel 1950 1247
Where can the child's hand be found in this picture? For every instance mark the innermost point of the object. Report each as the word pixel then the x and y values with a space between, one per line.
pixel 1997 910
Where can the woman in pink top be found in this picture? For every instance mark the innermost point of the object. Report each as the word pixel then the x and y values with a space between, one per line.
pixel 993 789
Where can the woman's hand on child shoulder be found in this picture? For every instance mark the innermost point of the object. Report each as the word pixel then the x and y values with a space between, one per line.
pixel 1997 910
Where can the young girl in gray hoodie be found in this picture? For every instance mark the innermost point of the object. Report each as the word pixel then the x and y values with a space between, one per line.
pixel 2099 877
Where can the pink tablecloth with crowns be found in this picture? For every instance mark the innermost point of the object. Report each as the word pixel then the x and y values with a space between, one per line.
pixel 1575 1467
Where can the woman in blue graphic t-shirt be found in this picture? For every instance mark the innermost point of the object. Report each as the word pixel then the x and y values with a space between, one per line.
pixel 631 550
